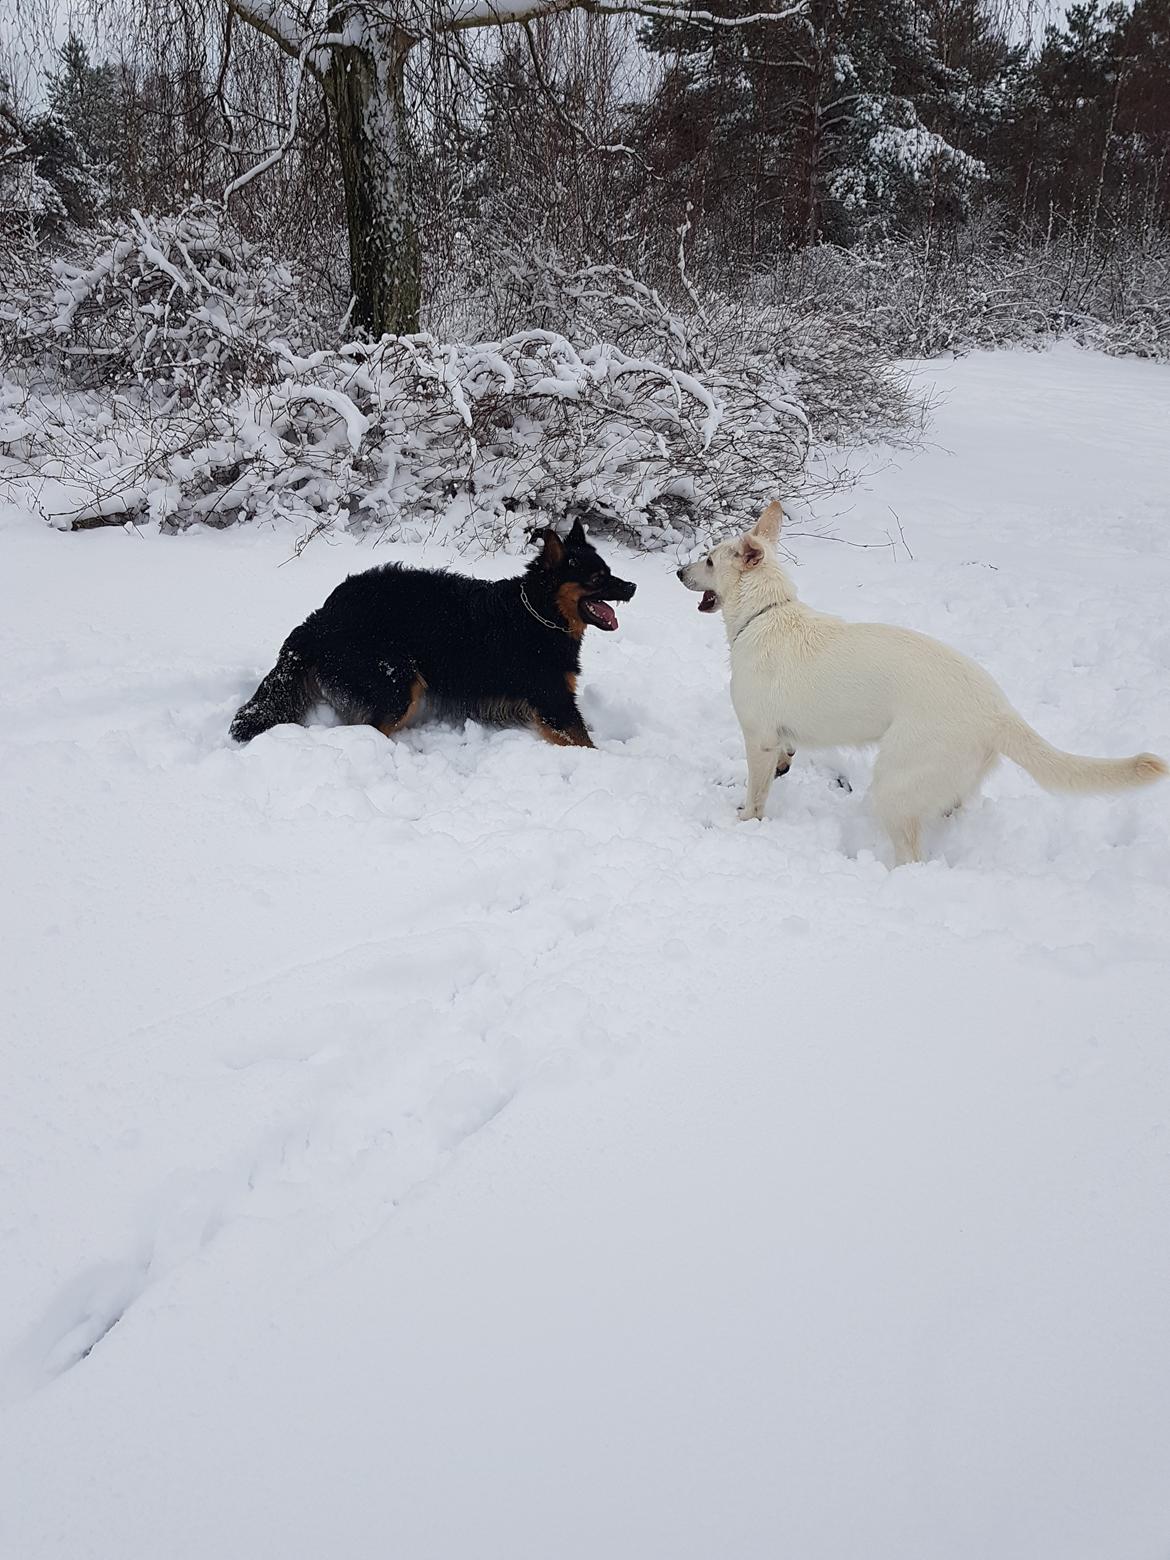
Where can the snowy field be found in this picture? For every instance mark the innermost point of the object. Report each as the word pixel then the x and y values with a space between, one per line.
pixel 457 1148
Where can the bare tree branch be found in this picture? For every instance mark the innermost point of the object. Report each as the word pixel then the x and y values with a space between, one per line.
pixel 616 149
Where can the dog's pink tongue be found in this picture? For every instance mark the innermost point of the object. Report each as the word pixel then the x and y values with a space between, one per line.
pixel 604 613
pixel 708 601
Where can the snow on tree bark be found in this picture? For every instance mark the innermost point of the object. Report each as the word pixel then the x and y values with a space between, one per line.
pixel 366 87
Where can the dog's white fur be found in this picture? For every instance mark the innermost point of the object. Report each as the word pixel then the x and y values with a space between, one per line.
pixel 801 678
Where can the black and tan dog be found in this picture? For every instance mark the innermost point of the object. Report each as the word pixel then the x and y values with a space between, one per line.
pixel 391 641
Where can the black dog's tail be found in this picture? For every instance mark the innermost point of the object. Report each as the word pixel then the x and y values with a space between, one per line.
pixel 283 696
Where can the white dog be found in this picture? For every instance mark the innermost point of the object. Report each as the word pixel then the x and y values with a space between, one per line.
pixel 803 679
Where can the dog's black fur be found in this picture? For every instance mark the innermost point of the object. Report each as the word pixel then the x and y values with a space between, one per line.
pixel 391 639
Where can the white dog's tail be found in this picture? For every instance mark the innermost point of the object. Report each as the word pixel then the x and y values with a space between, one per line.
pixel 1057 771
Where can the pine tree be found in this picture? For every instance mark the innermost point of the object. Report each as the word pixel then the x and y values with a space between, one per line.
pixel 844 123
pixel 87 112
pixel 1089 139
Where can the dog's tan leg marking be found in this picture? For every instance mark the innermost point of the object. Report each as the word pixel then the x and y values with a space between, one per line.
pixel 560 720
pixel 574 736
pixel 388 727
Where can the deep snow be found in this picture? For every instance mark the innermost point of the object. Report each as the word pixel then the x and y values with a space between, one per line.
pixel 457 1146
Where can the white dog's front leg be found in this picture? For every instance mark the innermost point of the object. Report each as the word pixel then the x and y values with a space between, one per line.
pixel 763 754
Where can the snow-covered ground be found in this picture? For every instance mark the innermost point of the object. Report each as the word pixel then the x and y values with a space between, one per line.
pixel 459 1147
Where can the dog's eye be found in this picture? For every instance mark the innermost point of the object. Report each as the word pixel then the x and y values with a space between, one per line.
pixel 710 565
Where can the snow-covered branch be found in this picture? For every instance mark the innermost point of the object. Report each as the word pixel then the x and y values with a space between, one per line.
pixel 275 21
pixel 300 39
pixel 290 135
pixel 464 14
pixel 309 43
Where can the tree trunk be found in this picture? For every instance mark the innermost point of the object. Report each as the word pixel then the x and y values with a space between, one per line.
pixel 366 87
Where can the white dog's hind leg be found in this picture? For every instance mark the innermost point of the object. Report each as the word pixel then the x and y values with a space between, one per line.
pixel 763 754
pixel 906 775
pixel 895 811
pixel 977 773
pixel 917 779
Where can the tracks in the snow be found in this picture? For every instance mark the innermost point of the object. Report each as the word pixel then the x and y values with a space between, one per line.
pixel 387 1056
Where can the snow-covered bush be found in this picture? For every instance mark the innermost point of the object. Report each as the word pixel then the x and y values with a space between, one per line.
pixel 842 378
pixel 183 303
pixel 911 299
pixel 413 430
pixel 192 399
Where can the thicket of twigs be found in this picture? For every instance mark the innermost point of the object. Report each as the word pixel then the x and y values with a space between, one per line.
pixel 178 374
pixel 978 288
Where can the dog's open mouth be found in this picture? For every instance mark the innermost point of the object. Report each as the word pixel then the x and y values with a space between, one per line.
pixel 598 612
pixel 708 602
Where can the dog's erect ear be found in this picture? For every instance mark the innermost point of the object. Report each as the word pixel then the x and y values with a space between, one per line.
pixel 769 523
pixel 577 534
pixel 751 552
pixel 552 549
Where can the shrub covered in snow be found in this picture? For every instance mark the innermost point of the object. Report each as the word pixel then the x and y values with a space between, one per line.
pixel 986 289
pixel 177 373
pixel 182 302
pixel 196 397
pixel 843 381
pixel 411 428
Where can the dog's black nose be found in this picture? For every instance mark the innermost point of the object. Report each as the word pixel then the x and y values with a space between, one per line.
pixel 678 573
